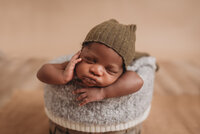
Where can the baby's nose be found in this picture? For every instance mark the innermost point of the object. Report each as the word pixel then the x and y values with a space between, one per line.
pixel 96 70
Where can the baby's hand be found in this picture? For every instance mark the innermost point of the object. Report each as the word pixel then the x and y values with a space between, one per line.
pixel 89 95
pixel 69 70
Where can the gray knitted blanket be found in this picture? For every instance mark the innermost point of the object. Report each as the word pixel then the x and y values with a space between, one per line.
pixel 61 103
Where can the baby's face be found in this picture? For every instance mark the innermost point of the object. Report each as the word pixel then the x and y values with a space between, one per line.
pixel 100 66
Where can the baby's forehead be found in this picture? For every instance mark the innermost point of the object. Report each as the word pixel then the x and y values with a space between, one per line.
pixel 103 52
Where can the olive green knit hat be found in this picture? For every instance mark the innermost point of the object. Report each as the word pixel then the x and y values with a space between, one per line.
pixel 119 37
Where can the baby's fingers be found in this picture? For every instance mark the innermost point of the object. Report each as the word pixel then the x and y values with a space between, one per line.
pixel 76 55
pixel 79 91
pixel 74 60
pixel 85 101
pixel 81 97
pixel 73 63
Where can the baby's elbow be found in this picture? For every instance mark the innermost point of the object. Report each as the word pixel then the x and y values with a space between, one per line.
pixel 140 83
pixel 40 73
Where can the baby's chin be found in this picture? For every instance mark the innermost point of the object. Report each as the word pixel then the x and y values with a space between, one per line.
pixel 93 85
pixel 90 85
pixel 85 84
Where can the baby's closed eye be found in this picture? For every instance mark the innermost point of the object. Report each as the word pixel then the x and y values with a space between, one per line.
pixel 111 70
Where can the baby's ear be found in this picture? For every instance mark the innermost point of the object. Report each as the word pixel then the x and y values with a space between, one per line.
pixel 133 27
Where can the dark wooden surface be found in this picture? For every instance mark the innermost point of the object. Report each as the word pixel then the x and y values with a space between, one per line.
pixel 175 105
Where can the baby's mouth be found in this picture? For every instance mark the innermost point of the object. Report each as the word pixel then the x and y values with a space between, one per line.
pixel 89 81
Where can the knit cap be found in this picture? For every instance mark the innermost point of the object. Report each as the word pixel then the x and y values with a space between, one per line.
pixel 121 38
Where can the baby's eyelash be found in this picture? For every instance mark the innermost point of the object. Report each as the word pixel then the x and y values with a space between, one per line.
pixel 111 71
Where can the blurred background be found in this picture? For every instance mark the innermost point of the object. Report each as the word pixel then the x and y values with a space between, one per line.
pixel 48 28
pixel 35 31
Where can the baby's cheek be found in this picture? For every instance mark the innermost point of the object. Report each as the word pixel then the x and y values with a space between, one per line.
pixel 81 68
pixel 77 69
pixel 109 80
pixel 78 64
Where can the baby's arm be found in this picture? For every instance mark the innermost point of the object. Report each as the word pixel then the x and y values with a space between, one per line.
pixel 128 83
pixel 58 73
